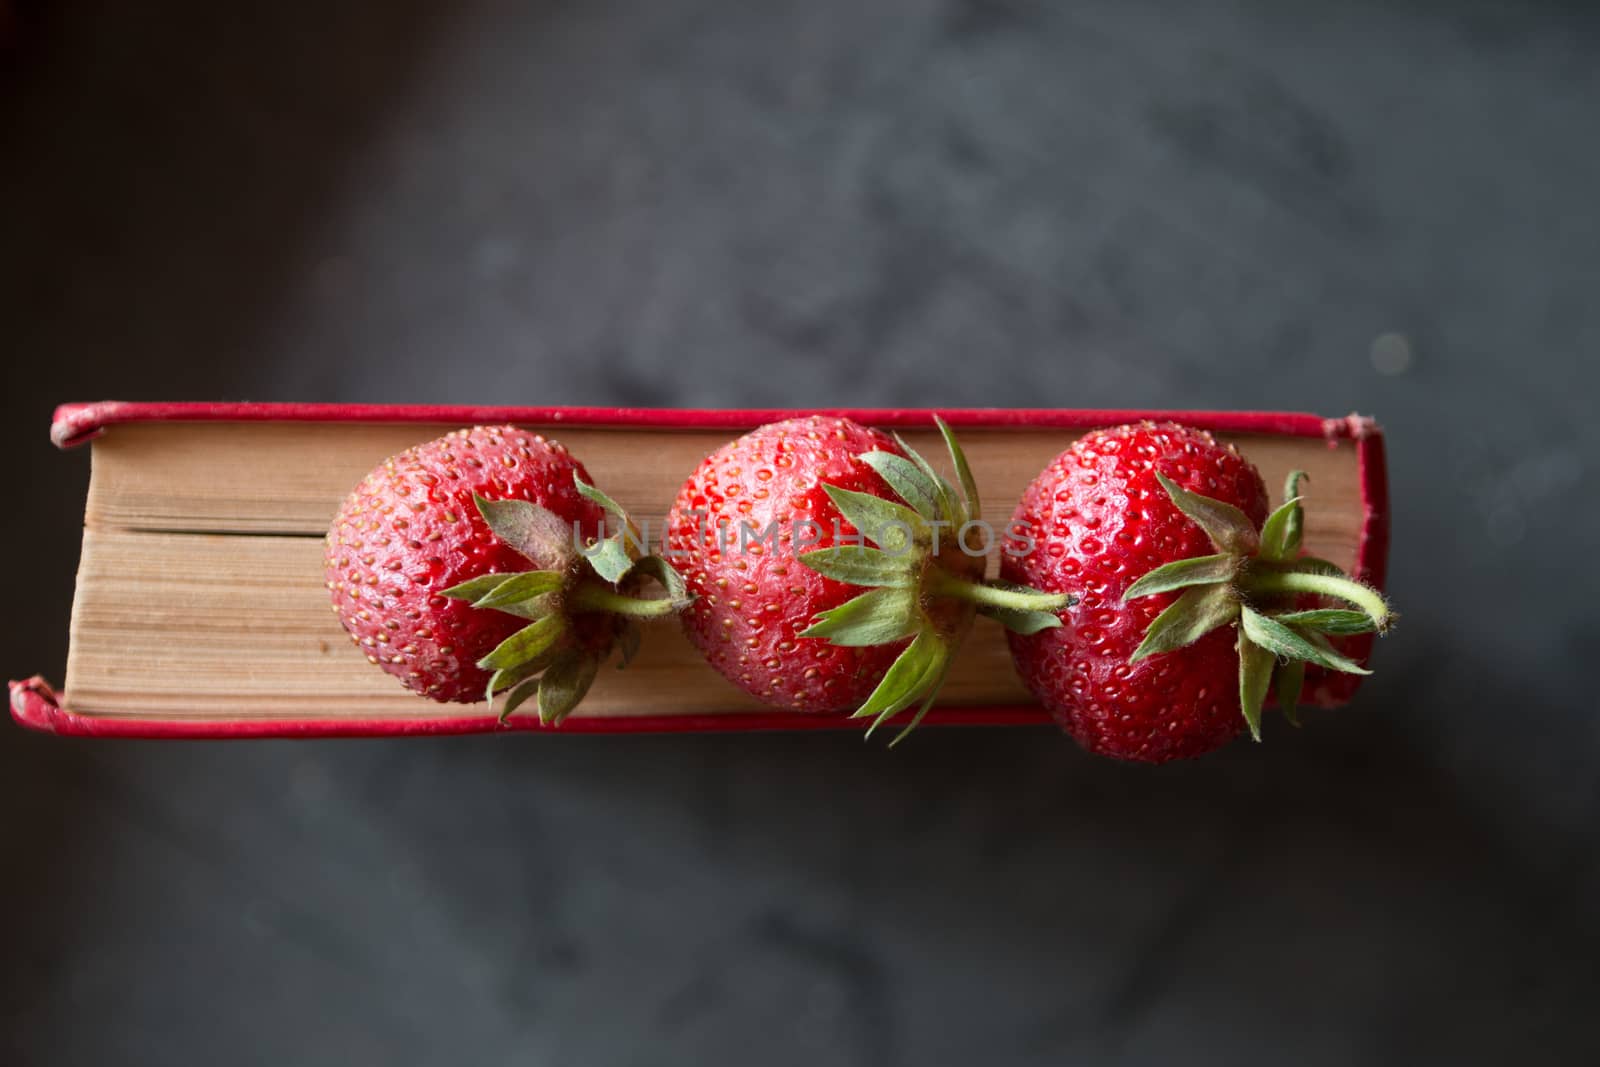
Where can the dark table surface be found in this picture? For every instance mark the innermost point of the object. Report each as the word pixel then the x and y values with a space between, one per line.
pixel 1383 207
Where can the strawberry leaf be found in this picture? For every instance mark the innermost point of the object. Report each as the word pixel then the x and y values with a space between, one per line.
pixel 1255 677
pixel 610 560
pixel 876 517
pixel 564 684
pixel 1020 620
pixel 905 680
pixel 1336 621
pixel 873 618
pixel 536 532
pixel 506 677
pixel 1320 641
pixel 475 588
pixel 510 677
pixel 1228 527
pixel 526 643
pixel 628 642
pixel 907 480
pixel 958 459
pixel 860 565
pixel 521 587
pixel 1201 570
pixel 1193 615
pixel 613 556
pixel 1275 532
pixel 932 695
pixel 533 608
pixel 518 696
pixel 665 574
pixel 589 492
pixel 1281 533
pixel 1294 529
pixel 1283 641
pixel 1291 681
pixel 949 508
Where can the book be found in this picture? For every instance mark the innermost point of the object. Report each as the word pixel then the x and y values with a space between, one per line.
pixel 200 609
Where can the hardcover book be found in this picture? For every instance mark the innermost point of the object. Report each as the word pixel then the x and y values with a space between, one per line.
pixel 200 609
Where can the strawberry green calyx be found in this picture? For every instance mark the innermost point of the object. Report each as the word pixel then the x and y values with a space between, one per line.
pixel 924 579
pixel 1253 582
pixel 554 659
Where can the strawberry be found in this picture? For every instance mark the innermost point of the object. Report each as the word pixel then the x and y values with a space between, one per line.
pixel 428 563
pixel 771 535
pixel 1191 594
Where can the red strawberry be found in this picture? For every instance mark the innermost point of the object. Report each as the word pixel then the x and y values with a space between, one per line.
pixel 769 534
pixel 1188 593
pixel 428 563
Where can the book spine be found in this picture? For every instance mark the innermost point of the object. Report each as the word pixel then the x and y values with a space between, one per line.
pixel 35 705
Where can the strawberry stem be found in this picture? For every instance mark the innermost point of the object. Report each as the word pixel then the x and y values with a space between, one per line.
pixel 592 596
pixel 1364 597
pixel 940 582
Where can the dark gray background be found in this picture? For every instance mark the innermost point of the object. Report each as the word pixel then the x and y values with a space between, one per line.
pixel 896 202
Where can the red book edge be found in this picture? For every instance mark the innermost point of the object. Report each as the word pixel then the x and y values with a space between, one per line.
pixel 34 703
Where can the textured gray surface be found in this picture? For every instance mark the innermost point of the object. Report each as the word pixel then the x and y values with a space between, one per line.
pixel 901 202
